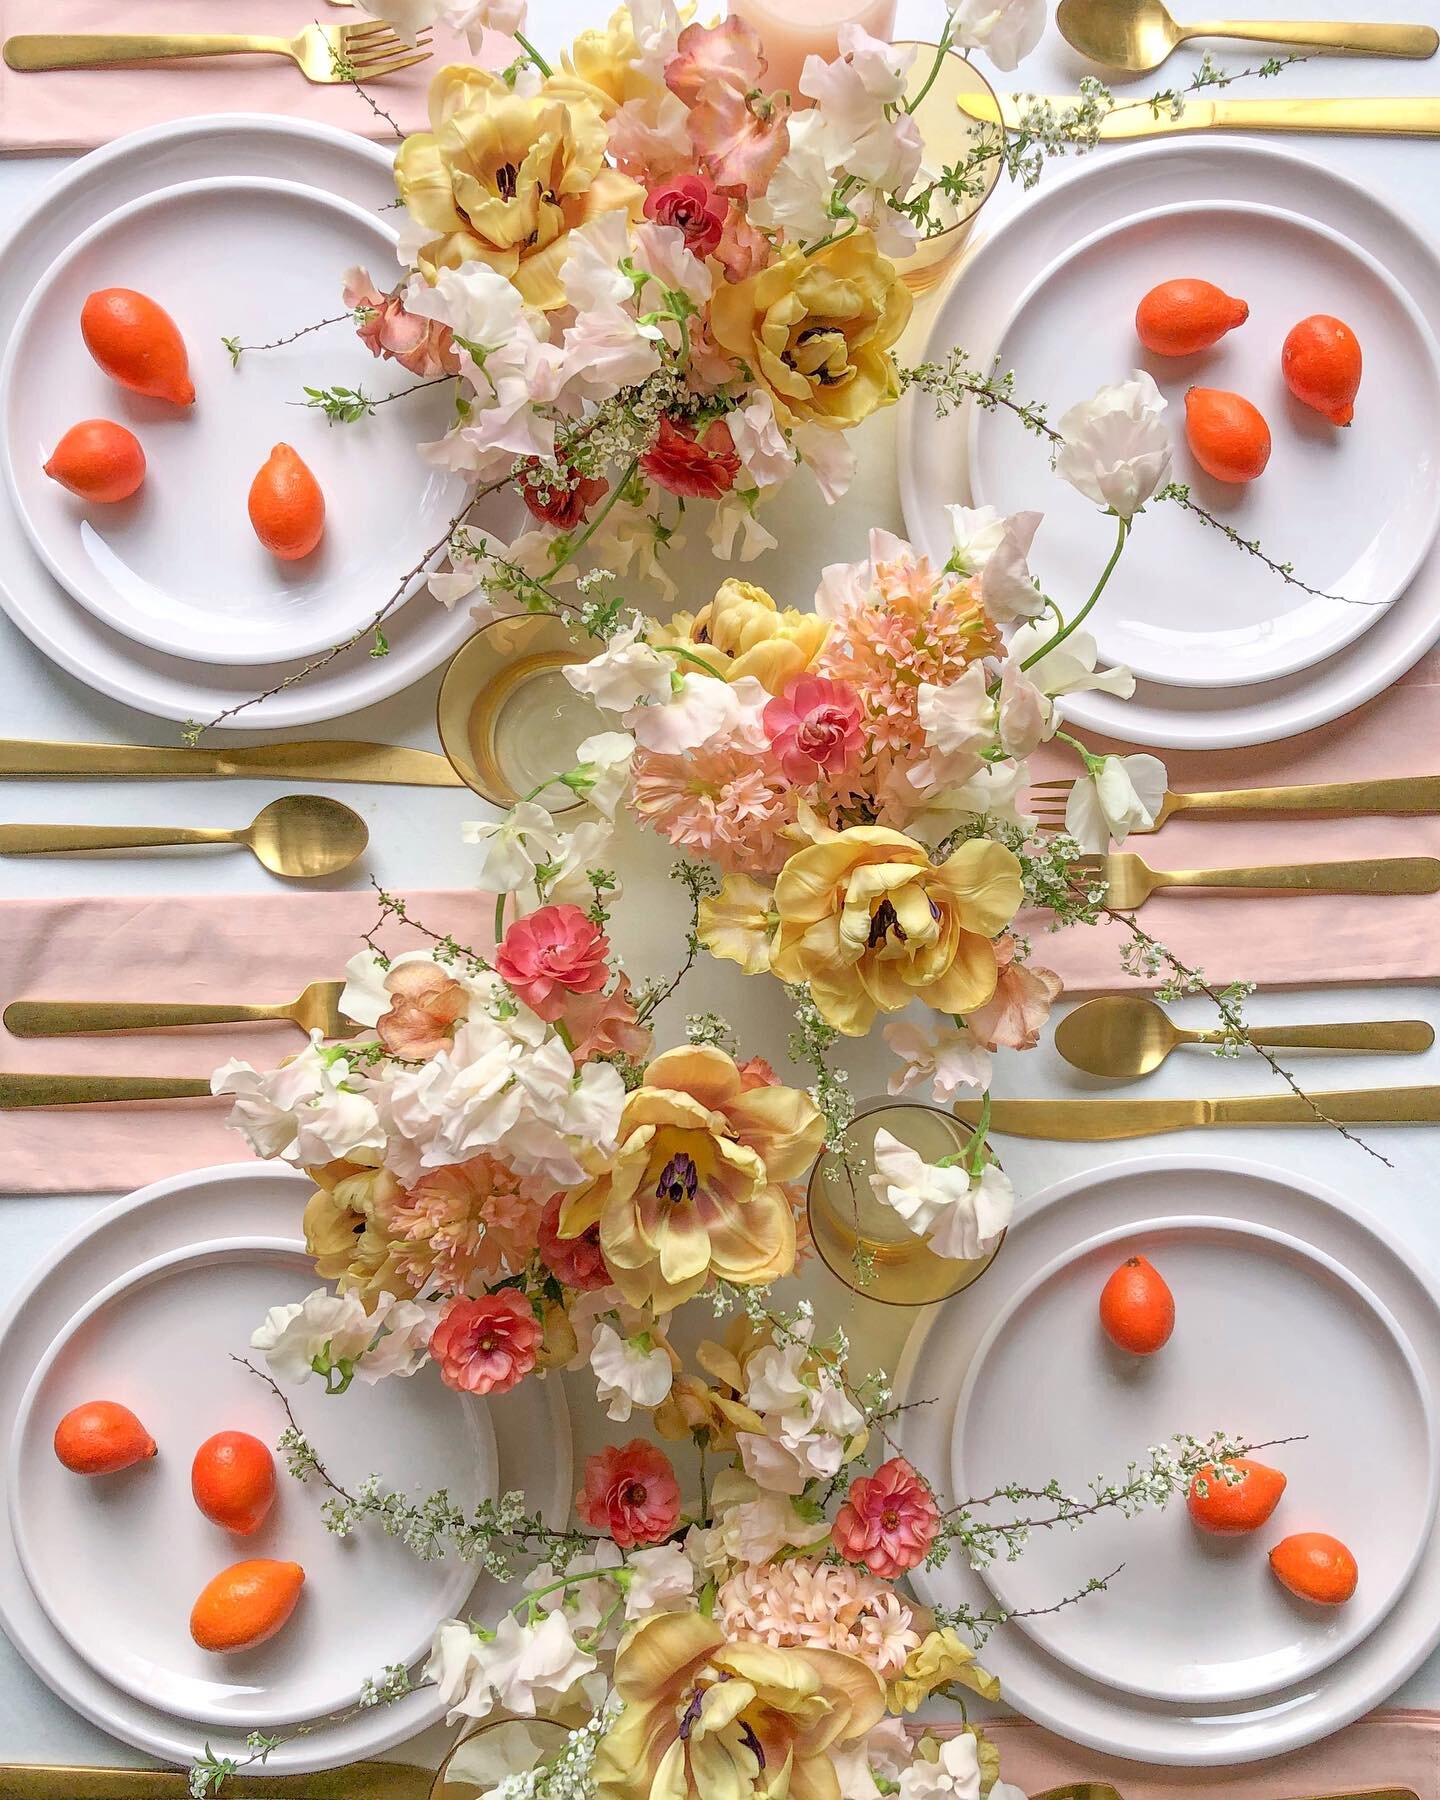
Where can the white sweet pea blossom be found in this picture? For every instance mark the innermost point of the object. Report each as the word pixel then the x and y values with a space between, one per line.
pixel 662 1579
pixel 963 1216
pixel 828 455
pixel 303 1112
pixel 1116 450
pixel 698 709
pixel 886 1751
pixel 1067 669
pixel 602 768
pixel 472 17
pixel 958 722
pixel 954 1775
pixel 733 514
pixel 996 549
pixel 512 848
pixel 950 1059
pixel 809 1419
pixel 577 852
pixel 1006 30
pixel 660 250
pixel 752 1525
pixel 513 1666
pixel 797 199
pixel 759 442
pixel 1123 795
pixel 628 1372
pixel 328 1333
pixel 625 673
pixel 852 95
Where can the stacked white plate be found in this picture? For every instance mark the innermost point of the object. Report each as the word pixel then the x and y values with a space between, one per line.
pixel 1227 653
pixel 147 1305
pixel 1294 1320
pixel 244 227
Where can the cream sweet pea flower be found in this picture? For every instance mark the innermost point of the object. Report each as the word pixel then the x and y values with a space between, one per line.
pixel 512 848
pixel 662 1579
pixel 958 722
pixel 303 1112
pixel 628 1373
pixel 1007 30
pixel 797 199
pixel 1069 668
pixel 855 96
pixel 625 673
pixel 948 1060
pixel 1116 451
pixel 752 1525
pixel 1123 795
pixel 699 708
pixel 954 1774
pixel 760 443
pixel 328 1331
pixel 514 1666
pixel 963 1216
pixel 996 549
pixel 472 17
pixel 602 768
pixel 577 852
pixel 809 1419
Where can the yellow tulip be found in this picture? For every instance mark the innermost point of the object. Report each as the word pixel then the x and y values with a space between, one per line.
pixel 942 1657
pixel 736 923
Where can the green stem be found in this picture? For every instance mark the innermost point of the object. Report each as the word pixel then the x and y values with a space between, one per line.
pixel 600 517
pixel 534 55
pixel 499 919
pixel 941 51
pixel 1060 636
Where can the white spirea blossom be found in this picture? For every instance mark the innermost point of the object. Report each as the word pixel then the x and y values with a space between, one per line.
pixel 304 1112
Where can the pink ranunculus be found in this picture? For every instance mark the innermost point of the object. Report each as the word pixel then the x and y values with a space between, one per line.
pixel 888 1521
pixel 560 497
pixel 549 955
pixel 600 1024
pixel 814 727
pixel 729 53
pixel 425 1005
pixel 486 1346
pixel 630 1492
pixel 700 468
pixel 423 346
pixel 1015 1014
pixel 694 205
pixel 576 1262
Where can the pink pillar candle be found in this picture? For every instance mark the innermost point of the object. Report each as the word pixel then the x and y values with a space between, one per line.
pixel 791 30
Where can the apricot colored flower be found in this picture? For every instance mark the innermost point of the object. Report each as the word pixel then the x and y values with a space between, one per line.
pixel 739 131
pixel 550 954
pixel 347 1230
pixel 888 1521
pixel 472 1218
pixel 425 347
pixel 425 1006
pixel 743 632
pixel 817 331
pixel 600 1024
pixel 575 1262
pixel 725 1721
pixel 696 465
pixel 814 727
pixel 693 1189
pixel 870 923
pixel 503 178
pixel 631 1493
pixel 487 1346
pixel 1015 1014
pixel 725 800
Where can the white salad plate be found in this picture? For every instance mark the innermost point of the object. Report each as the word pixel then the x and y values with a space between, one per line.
pixel 178 566
pixel 422 634
pixel 1360 505
pixel 1271 1336
pixel 117 1561
pixel 179 1222
pixel 1334 1252
pixel 1103 194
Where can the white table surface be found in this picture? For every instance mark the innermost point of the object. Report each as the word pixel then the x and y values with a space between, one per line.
pixel 415 839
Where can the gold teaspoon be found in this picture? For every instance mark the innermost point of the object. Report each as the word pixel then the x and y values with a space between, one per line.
pixel 1124 1034
pixel 299 835
pixel 1137 35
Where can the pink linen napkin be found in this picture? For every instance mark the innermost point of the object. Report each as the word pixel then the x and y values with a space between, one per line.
pixel 1392 1748
pixel 258 949
pixel 76 109
pixel 1286 940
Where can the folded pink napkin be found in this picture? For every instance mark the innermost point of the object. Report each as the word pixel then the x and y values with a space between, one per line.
pixel 76 109
pixel 1393 1748
pixel 1291 939
pixel 259 950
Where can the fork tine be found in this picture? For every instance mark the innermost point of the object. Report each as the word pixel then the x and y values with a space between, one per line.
pixel 374 71
pixel 381 37
pixel 1066 784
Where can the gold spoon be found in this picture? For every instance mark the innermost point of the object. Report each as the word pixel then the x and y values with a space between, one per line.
pixel 1123 1034
pixel 299 834
pixel 1139 34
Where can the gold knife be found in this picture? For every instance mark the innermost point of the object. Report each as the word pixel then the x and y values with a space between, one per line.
pixel 322 759
pixel 1104 1121
pixel 1386 116
pixel 359 1781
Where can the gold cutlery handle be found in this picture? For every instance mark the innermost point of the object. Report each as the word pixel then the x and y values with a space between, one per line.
pixel 74 1018
pixel 373 1780
pixel 1397 1037
pixel 1396 795
pixel 92 50
pixel 1371 875
pixel 1324 34
pixel 1355 1106
pixel 20 1090
pixel 44 840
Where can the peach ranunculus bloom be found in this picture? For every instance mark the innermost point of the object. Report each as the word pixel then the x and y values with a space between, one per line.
pixel 694 1187
pixel 724 1721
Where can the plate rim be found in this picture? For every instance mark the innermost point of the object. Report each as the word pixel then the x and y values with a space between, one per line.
pixel 119 216
pixel 1287 1241
pixel 1365 613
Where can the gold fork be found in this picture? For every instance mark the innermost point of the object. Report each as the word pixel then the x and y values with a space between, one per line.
pixel 322 53
pixel 1351 799
pixel 1130 881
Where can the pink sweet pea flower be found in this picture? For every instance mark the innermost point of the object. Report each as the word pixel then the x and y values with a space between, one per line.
pixel 814 727
pixel 631 1493
pixel 889 1520
pixel 700 468
pixel 600 1024
pixel 425 1005
pixel 739 131
pixel 1015 1014
pixel 576 1262
pixel 486 1346
pixel 729 54
pixel 694 205
pixel 549 955
pixel 423 346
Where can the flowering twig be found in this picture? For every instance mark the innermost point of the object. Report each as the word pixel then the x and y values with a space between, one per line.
pixel 1179 493
pixel 344 406
pixel 345 70
pixel 978 1626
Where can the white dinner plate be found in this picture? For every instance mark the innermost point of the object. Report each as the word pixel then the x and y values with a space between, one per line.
pixel 178 566
pixel 421 634
pixel 532 1436
pixel 1098 193
pixel 1363 502
pixel 1278 1341
pixel 1115 1200
pixel 118 1561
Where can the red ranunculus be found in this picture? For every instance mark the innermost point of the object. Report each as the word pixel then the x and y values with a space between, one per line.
pixel 549 955
pixel 693 204
pixel 560 497
pixel 631 1493
pixel 700 468
pixel 888 1521
pixel 576 1262
pixel 486 1346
